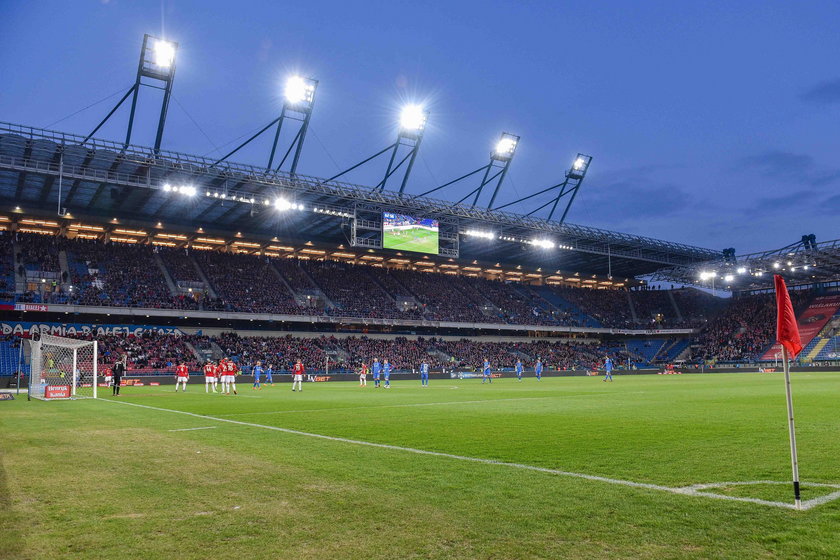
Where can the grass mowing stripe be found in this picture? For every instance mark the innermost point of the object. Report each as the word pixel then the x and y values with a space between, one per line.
pixel 193 429
pixel 686 490
pixel 384 406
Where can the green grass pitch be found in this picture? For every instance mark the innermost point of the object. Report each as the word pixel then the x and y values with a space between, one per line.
pixel 426 242
pixel 96 479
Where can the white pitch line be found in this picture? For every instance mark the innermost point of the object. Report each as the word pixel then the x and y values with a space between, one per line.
pixel 381 406
pixel 694 490
pixel 191 429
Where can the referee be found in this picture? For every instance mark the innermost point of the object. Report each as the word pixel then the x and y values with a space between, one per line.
pixel 119 371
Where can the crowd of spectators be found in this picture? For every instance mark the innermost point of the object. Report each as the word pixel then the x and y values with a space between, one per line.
pixel 7 272
pixel 246 284
pixel 654 308
pixel 697 307
pixel 441 296
pixel 39 253
pixel 610 308
pixel 180 265
pixel 133 279
pixel 353 291
pixel 746 328
pixel 120 274
pixel 294 275
pixel 278 352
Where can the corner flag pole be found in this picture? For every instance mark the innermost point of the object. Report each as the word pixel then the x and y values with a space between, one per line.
pixel 787 335
pixel 794 462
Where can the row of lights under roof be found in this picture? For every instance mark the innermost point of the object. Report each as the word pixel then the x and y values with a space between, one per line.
pixel 332 212
pixel 710 275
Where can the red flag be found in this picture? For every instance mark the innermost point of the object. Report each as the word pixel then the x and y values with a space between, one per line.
pixel 787 331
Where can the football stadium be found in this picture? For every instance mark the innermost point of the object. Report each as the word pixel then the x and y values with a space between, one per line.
pixel 239 352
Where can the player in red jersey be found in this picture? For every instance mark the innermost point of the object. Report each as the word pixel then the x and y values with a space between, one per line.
pixel 229 377
pixel 363 375
pixel 298 376
pixel 182 375
pixel 209 377
pixel 109 376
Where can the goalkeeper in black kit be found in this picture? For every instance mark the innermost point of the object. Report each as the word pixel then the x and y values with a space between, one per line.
pixel 119 371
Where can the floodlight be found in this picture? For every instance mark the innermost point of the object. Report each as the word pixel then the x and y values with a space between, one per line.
pixel 282 204
pixel 167 187
pixel 543 243
pixel 704 276
pixel 299 90
pixel 413 118
pixel 164 53
pixel 742 270
pixel 506 146
pixel 776 265
pixel 189 191
pixel 579 167
pixel 728 278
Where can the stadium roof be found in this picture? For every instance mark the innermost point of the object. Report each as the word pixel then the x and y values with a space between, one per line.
pixel 803 263
pixel 106 179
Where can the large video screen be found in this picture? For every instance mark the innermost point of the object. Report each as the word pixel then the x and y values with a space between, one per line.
pixel 407 233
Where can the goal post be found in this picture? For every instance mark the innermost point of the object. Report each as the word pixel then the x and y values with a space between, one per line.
pixel 63 368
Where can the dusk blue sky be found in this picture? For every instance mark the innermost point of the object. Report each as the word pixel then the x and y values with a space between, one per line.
pixel 710 123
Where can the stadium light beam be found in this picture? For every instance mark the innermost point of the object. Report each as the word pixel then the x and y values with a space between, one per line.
pixel 413 118
pixel 164 53
pixel 506 146
pixel 299 90
pixel 543 243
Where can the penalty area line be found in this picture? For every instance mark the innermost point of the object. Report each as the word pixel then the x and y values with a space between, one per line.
pixel 693 490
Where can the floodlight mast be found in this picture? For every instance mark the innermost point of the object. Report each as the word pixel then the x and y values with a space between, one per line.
pixel 569 187
pixel 298 103
pixel 500 159
pixel 157 62
pixel 502 155
pixel 412 125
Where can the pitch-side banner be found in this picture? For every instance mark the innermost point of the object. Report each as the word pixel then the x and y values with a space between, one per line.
pixel 72 329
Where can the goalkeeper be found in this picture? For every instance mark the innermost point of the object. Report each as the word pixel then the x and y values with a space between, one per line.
pixel 119 371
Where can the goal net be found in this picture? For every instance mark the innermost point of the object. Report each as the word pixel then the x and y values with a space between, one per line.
pixel 62 368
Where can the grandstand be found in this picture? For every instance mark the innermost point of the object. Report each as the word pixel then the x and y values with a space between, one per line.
pixel 167 277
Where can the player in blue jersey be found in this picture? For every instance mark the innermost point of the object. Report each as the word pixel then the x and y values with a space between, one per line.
pixel 376 368
pixel 386 372
pixel 538 368
pixel 257 373
pixel 608 367
pixel 424 374
pixel 519 370
pixel 487 377
pixel 268 378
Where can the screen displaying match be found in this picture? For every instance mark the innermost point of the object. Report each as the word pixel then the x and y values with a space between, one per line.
pixel 407 233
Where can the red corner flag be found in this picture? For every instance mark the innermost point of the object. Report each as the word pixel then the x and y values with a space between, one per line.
pixel 787 331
